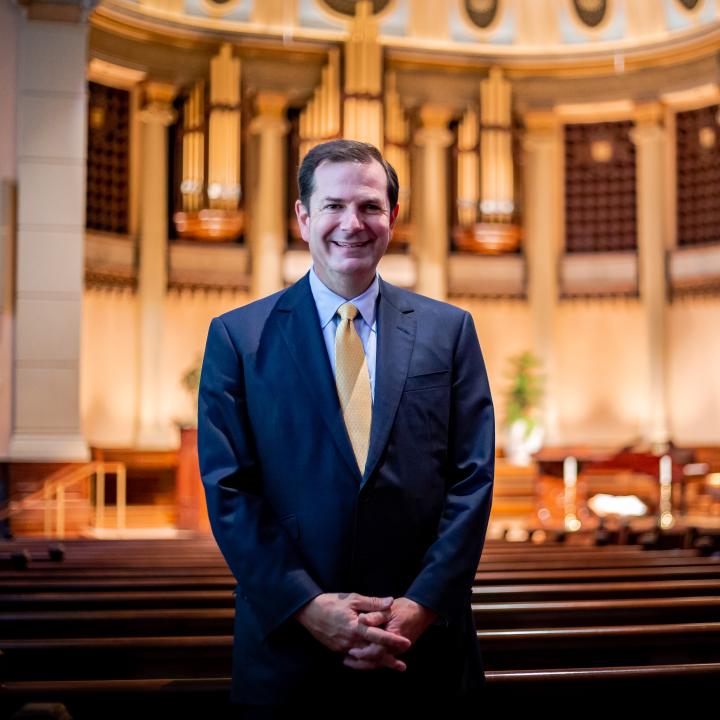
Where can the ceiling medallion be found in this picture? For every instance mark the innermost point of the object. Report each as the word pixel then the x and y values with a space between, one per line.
pixel 347 7
pixel 590 12
pixel 218 8
pixel 481 12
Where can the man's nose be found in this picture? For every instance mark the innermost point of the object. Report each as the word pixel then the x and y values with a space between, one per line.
pixel 351 220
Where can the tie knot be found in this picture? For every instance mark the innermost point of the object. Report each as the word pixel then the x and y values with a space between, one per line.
pixel 347 311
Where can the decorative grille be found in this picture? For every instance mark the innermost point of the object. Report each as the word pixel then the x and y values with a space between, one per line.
pixel 107 197
pixel 599 187
pixel 698 176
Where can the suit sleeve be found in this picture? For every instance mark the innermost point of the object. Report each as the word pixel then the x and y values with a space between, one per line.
pixel 445 581
pixel 260 553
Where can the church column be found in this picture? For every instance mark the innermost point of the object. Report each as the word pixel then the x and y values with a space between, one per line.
pixel 7 310
pixel 268 223
pixel 543 243
pixel 51 149
pixel 153 428
pixel 432 244
pixel 9 46
pixel 650 137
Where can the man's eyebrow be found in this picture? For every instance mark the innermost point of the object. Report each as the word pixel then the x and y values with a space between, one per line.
pixel 369 199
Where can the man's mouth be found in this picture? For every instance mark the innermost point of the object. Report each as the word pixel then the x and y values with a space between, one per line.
pixel 350 244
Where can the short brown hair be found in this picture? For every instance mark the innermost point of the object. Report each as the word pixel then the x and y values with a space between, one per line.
pixel 337 151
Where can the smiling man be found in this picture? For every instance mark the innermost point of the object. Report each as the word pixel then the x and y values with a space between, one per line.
pixel 346 440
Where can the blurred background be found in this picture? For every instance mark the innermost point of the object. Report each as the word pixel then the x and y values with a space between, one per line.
pixel 559 164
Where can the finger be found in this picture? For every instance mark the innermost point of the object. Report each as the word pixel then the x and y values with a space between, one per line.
pixel 392 641
pixel 375 619
pixel 359 664
pixel 388 661
pixel 368 652
pixel 377 655
pixel 370 604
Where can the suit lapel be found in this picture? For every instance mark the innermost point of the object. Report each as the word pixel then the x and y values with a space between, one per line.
pixel 396 337
pixel 298 322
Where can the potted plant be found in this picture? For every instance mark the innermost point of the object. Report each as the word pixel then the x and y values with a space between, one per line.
pixel 523 427
pixel 190 380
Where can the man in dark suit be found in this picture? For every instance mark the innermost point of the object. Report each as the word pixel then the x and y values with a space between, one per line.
pixel 346 440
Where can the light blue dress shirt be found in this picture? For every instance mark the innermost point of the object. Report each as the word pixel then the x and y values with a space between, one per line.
pixel 327 303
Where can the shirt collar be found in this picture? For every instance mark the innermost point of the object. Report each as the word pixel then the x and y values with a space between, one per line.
pixel 327 302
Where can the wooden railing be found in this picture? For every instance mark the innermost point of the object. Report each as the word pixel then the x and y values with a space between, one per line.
pixel 52 495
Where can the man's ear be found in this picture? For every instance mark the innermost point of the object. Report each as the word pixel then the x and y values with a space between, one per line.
pixel 393 216
pixel 303 218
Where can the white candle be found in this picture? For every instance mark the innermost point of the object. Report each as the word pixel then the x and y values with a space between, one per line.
pixel 665 470
pixel 570 471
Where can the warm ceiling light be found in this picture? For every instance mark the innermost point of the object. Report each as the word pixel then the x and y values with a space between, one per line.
pixel 707 137
pixel 601 151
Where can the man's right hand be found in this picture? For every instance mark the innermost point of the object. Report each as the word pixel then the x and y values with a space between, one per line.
pixel 332 619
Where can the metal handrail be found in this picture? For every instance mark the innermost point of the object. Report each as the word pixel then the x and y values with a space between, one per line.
pixel 60 480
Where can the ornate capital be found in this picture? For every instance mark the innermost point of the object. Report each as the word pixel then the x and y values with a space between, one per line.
pixel 542 129
pixel 648 114
pixel 434 131
pixel 541 121
pixel 648 124
pixel 270 113
pixel 157 107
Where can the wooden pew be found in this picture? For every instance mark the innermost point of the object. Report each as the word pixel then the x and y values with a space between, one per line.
pixel 643 688
pixel 171 579
pixel 537 648
pixel 495 615
pixel 549 623
pixel 131 597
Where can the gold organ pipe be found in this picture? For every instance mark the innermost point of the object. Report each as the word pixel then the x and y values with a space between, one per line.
pixel 467 169
pixel 363 116
pixel 334 84
pixel 224 130
pixel 485 159
pixel 320 119
pixel 397 133
pixel 496 146
pixel 350 65
pixel 323 100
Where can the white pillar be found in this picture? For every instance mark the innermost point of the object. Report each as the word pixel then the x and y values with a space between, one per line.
pixel 650 137
pixel 7 308
pixel 51 149
pixel 154 429
pixel 432 245
pixel 267 221
pixel 543 244
pixel 9 40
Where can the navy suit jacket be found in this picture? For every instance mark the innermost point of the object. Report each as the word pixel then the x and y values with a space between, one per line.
pixel 294 517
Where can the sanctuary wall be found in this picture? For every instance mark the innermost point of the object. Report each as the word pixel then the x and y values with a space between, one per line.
pixel 601 386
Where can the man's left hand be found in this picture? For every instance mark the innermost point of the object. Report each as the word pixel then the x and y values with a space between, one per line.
pixel 407 618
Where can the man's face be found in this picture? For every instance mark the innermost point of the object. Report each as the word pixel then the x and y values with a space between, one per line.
pixel 349 222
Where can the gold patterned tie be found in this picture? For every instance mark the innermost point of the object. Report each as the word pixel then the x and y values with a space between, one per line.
pixel 353 383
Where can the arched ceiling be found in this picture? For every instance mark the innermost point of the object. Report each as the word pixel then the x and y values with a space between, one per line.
pixel 513 32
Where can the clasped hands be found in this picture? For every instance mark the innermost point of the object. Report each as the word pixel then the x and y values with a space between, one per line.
pixel 370 631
